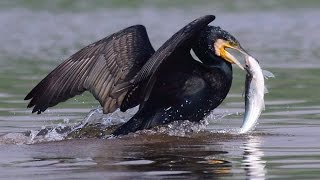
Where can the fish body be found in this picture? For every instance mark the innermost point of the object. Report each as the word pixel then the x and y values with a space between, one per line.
pixel 254 94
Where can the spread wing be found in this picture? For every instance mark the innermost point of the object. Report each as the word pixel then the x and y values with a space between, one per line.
pixel 105 68
pixel 178 45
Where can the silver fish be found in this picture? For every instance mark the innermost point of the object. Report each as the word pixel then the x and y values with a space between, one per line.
pixel 254 94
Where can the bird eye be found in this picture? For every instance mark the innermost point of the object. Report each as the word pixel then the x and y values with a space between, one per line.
pixel 232 43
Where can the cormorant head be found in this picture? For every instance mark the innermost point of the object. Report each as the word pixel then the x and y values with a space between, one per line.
pixel 217 41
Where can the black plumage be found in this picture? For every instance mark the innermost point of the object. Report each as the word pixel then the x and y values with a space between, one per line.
pixel 105 68
pixel 123 71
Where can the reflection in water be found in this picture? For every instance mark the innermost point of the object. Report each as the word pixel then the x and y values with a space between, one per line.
pixel 178 157
pixel 252 161
pixel 164 152
pixel 31 43
pixel 158 157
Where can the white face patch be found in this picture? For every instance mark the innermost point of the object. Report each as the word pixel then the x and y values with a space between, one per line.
pixel 218 45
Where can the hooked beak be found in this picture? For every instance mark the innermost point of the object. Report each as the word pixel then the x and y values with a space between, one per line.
pixel 228 57
pixel 222 45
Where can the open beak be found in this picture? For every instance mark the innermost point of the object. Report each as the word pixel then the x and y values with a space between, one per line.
pixel 223 45
pixel 228 57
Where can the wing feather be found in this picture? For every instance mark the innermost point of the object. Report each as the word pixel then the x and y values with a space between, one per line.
pixel 178 45
pixel 108 65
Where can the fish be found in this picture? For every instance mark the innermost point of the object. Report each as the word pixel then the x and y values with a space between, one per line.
pixel 254 93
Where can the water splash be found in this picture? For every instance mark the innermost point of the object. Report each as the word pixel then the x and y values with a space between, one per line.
pixel 177 128
pixel 99 125
pixel 219 116
pixel 95 124
pixel 35 136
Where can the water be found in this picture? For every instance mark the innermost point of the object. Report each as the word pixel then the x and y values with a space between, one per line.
pixel 283 35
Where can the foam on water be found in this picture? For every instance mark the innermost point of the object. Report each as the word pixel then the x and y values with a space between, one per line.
pixel 60 132
pixel 177 128
pixel 33 136
pixel 99 125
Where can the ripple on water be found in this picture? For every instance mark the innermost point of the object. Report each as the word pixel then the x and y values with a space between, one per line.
pixel 287 139
pixel 96 124
pixel 35 35
pixel 5 95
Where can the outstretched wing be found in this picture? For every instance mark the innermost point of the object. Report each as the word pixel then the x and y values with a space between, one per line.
pixel 179 44
pixel 105 68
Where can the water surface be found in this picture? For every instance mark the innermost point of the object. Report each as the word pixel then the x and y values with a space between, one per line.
pixel 285 145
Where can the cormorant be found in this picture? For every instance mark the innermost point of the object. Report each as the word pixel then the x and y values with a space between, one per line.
pixel 123 71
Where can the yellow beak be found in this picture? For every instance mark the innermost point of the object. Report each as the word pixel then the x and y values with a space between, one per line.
pixel 228 57
pixel 220 49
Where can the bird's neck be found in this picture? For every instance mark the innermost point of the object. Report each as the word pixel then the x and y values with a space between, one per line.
pixel 226 67
pixel 214 62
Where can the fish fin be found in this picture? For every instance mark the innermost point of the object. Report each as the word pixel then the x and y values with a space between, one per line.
pixel 266 90
pixel 267 74
pixel 243 91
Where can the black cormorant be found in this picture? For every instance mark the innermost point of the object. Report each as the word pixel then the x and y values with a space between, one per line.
pixel 123 71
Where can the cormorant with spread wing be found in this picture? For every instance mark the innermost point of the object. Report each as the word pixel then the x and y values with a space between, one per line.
pixel 123 71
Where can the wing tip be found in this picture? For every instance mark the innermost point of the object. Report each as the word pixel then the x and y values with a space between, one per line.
pixel 36 110
pixel 30 105
pixel 35 103
pixel 137 27
pixel 28 96
pixel 39 108
pixel 209 18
